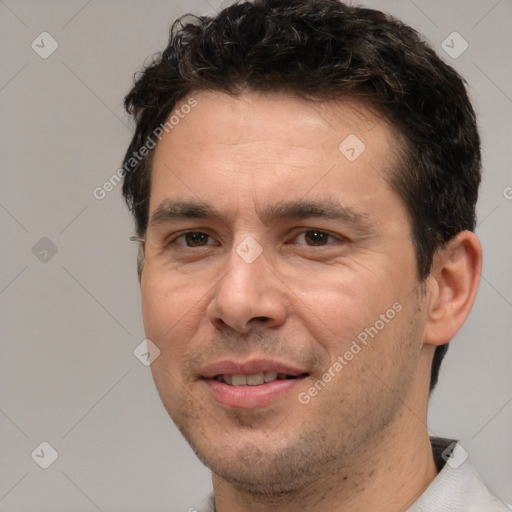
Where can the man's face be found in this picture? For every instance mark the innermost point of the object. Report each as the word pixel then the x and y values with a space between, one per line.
pixel 276 254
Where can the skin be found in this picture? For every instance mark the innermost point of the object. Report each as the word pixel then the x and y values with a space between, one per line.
pixel 362 442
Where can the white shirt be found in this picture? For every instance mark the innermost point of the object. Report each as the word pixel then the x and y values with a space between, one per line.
pixel 457 487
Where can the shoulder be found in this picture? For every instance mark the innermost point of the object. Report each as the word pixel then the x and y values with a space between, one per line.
pixel 207 505
pixel 457 487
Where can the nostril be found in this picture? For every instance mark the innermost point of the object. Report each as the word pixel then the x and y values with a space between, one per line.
pixel 262 319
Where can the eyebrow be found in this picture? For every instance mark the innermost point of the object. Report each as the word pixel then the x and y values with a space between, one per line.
pixel 169 210
pixel 325 209
pixel 331 209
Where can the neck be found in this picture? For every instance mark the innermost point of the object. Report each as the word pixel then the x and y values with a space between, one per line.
pixel 387 474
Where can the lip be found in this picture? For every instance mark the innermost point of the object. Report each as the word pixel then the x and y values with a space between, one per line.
pixel 250 397
pixel 229 367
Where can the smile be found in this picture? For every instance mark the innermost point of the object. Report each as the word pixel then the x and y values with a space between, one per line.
pixel 251 384
pixel 256 379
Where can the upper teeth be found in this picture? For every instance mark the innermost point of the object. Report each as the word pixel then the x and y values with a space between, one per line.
pixel 250 380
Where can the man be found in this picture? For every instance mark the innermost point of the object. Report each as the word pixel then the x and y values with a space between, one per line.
pixel 303 178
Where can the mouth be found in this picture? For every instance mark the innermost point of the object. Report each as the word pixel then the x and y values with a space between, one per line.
pixel 256 379
pixel 251 385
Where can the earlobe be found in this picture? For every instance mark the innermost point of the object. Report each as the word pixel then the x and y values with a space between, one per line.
pixel 452 288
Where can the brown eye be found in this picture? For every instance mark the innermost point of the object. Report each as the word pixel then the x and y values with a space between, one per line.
pixel 314 237
pixel 193 239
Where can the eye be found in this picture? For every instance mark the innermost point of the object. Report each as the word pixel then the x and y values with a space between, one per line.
pixel 315 238
pixel 193 239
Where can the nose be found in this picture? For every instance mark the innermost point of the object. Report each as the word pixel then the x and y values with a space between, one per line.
pixel 248 296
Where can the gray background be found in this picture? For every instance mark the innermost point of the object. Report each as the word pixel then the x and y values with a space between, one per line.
pixel 70 323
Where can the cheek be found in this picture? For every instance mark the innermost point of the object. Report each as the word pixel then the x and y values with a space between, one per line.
pixel 168 306
pixel 167 314
pixel 339 304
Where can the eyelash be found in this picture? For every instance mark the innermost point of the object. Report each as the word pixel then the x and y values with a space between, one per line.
pixel 174 241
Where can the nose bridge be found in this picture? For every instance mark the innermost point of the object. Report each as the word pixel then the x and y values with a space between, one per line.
pixel 246 277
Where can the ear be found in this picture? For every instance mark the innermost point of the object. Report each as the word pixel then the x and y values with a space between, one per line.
pixel 140 261
pixel 452 286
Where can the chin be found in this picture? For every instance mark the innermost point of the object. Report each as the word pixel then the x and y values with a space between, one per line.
pixel 261 468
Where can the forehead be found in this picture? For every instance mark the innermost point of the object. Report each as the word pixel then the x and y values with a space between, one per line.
pixel 283 117
pixel 261 148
